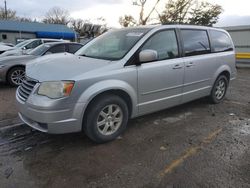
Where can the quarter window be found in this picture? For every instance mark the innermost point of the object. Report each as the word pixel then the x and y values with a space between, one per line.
pixel 165 43
pixel 195 42
pixel 221 41
pixel 72 48
pixel 57 49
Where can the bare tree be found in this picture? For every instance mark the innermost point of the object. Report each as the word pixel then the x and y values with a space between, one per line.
pixel 11 14
pixel 103 23
pixel 205 14
pixel 24 19
pixel 176 11
pixel 57 15
pixel 127 21
pixel 189 12
pixel 77 25
pixel 142 18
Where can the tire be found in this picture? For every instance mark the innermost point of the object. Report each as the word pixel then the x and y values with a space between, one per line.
pixel 111 113
pixel 16 76
pixel 219 89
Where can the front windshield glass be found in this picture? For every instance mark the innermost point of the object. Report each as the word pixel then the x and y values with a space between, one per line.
pixel 40 50
pixel 114 44
pixel 21 44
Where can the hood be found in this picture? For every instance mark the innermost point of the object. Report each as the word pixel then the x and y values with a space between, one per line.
pixel 11 60
pixel 63 66
pixel 14 51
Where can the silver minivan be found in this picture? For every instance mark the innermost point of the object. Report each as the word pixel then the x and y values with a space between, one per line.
pixel 124 74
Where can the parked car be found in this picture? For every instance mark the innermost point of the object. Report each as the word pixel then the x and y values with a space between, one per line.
pixel 7 44
pixel 12 68
pixel 124 74
pixel 4 48
pixel 27 45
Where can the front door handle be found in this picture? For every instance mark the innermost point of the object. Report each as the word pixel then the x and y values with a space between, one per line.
pixel 190 64
pixel 177 66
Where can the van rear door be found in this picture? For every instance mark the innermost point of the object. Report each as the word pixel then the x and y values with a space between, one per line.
pixel 200 64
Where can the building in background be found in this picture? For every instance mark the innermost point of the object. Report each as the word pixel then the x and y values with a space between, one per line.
pixel 15 31
pixel 241 38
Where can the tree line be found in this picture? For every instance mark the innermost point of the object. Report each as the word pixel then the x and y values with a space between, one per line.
pixel 175 12
pixel 55 15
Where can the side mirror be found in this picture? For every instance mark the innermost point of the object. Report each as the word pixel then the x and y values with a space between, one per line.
pixel 148 55
pixel 24 48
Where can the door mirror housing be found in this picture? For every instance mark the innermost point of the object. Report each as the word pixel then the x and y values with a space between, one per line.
pixel 148 55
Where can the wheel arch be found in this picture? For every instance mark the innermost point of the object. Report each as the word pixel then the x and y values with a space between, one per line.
pixel 116 87
pixel 225 73
pixel 223 70
pixel 12 67
pixel 118 92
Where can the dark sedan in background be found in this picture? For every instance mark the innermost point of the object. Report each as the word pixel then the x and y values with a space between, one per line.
pixel 12 68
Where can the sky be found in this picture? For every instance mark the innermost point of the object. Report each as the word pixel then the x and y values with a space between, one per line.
pixel 235 12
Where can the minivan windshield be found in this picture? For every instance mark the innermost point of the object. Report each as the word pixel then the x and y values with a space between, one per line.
pixel 114 44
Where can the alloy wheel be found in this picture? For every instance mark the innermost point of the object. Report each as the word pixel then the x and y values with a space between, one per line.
pixel 109 119
pixel 18 76
pixel 220 89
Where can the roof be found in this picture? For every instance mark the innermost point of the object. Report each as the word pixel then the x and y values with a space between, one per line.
pixel 63 42
pixel 237 28
pixel 9 25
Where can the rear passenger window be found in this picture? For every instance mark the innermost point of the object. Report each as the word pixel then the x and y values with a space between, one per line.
pixel 57 49
pixel 195 42
pixel 221 41
pixel 46 41
pixel 73 48
pixel 165 43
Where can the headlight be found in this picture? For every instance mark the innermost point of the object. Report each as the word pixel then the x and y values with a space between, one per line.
pixel 2 66
pixel 56 90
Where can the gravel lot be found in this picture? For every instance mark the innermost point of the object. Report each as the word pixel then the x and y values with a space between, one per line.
pixel 193 145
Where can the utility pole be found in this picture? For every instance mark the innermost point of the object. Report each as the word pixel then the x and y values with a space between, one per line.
pixel 5 10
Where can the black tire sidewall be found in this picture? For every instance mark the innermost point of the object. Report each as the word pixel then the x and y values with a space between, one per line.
pixel 212 96
pixel 90 126
pixel 10 73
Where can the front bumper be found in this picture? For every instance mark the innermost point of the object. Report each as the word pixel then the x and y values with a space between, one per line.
pixel 3 72
pixel 50 120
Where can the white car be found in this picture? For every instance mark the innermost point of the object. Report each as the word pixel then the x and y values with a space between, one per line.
pixel 5 48
pixel 27 45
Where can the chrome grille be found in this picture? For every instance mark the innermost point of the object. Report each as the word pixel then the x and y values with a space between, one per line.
pixel 26 88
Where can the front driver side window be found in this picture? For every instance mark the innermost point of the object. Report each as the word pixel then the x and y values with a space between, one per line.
pixel 165 43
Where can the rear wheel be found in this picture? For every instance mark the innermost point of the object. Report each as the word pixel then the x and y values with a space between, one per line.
pixel 16 76
pixel 106 118
pixel 219 89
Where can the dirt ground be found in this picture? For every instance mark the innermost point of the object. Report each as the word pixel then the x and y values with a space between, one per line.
pixel 193 145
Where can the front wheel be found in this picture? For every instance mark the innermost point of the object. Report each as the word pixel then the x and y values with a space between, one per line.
pixel 219 89
pixel 106 118
pixel 16 76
